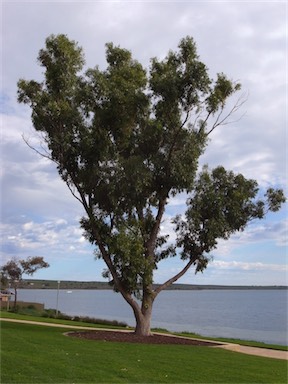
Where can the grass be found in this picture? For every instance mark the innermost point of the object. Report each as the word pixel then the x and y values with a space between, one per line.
pixel 249 343
pixel 37 354
pixel 35 316
pixel 109 324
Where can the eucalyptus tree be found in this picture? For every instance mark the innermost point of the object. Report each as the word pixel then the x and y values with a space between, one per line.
pixel 126 140
pixel 12 272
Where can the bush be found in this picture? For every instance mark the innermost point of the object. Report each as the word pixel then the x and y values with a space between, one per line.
pixel 29 310
pixel 92 320
pixel 63 316
pixel 51 313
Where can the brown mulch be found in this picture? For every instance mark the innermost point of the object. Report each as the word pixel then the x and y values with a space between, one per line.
pixel 130 337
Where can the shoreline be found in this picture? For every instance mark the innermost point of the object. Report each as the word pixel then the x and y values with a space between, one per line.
pixel 98 285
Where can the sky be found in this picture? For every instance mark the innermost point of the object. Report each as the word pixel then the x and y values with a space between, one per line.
pixel 247 40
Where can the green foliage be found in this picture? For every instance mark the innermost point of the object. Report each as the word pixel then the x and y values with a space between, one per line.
pixel 221 204
pixel 13 270
pixel 31 311
pixel 48 316
pixel 275 198
pixel 4 281
pixel 32 264
pixel 125 140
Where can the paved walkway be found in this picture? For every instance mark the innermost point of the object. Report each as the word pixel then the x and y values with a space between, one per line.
pixel 264 352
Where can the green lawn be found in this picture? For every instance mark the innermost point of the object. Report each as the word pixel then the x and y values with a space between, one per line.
pixel 37 354
pixel 29 317
pixel 11 315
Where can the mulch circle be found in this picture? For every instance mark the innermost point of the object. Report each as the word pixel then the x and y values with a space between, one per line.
pixel 130 337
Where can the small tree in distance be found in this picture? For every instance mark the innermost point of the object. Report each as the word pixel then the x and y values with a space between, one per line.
pixel 126 141
pixel 13 271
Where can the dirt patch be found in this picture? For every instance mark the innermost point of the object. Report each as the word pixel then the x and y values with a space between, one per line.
pixel 130 337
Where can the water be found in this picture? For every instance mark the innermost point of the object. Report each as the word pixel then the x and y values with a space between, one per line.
pixel 259 315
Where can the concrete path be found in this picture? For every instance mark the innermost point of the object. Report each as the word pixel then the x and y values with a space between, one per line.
pixel 60 325
pixel 264 352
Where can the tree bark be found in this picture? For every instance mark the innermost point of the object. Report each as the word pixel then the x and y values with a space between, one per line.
pixel 143 325
pixel 143 319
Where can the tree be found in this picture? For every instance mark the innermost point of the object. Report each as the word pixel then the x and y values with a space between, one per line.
pixel 125 141
pixel 13 270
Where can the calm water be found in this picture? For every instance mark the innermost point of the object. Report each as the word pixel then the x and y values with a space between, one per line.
pixel 249 314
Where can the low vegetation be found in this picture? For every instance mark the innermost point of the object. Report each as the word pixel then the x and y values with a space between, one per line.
pixel 26 348
pixel 31 310
pixel 34 315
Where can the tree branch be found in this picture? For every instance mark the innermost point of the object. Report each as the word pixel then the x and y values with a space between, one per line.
pixel 224 121
pixel 175 278
pixel 153 237
pixel 46 156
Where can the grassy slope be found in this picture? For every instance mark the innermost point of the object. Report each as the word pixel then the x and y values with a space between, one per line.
pixel 11 315
pixel 36 354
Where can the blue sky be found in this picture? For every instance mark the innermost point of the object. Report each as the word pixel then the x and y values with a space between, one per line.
pixel 246 40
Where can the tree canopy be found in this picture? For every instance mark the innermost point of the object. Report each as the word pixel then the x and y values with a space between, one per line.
pixel 125 141
pixel 13 271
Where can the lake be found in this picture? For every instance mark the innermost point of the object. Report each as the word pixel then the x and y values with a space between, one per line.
pixel 259 315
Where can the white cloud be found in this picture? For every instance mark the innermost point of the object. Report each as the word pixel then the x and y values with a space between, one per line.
pixel 28 226
pixel 220 264
pixel 221 272
pixel 48 237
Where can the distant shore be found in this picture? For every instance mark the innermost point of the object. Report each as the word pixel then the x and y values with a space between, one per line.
pixel 70 285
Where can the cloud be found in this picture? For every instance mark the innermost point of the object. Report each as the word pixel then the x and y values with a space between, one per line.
pixel 220 264
pixel 264 232
pixel 50 238
pixel 221 272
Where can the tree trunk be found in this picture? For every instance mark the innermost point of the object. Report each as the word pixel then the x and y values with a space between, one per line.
pixel 143 323
pixel 143 315
pixel 15 297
